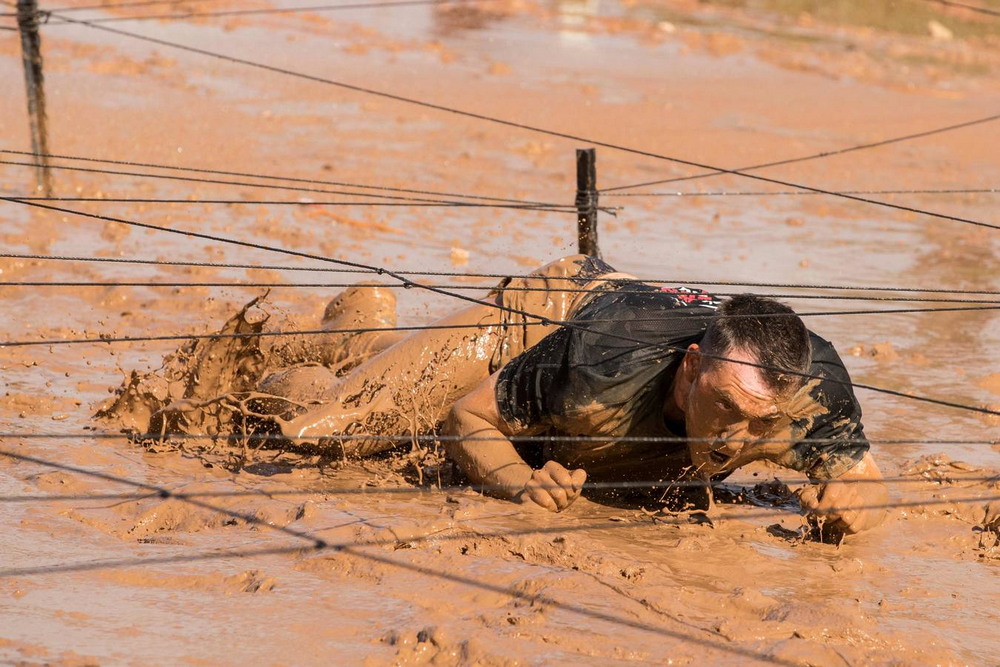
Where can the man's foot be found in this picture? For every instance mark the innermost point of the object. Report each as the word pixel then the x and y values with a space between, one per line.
pixel 368 308
pixel 303 384
pixel 372 305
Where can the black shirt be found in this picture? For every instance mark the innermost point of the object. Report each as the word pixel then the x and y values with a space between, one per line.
pixel 609 376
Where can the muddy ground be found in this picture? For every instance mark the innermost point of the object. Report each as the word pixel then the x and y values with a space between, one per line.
pixel 112 552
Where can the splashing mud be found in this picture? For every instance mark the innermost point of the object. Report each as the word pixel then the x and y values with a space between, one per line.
pixel 231 383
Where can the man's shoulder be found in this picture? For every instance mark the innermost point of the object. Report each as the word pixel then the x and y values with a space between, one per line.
pixel 825 359
pixel 636 323
pixel 642 312
pixel 835 389
pixel 634 295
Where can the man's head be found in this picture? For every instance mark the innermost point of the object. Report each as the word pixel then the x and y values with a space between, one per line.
pixel 731 386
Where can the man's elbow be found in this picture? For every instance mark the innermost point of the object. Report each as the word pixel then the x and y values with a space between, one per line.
pixel 463 425
pixel 456 427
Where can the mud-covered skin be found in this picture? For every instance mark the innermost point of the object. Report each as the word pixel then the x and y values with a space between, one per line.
pixel 318 386
pixel 409 387
pixel 341 392
pixel 358 390
pixel 632 369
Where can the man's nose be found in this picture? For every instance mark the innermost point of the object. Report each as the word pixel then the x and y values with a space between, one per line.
pixel 731 444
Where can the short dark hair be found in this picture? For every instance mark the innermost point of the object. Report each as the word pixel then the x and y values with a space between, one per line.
pixel 770 331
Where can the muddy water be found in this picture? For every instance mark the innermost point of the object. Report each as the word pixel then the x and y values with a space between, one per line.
pixel 453 576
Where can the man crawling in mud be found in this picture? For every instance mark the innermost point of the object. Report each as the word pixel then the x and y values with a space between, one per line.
pixel 664 384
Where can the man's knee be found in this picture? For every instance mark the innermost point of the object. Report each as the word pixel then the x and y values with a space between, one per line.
pixel 575 266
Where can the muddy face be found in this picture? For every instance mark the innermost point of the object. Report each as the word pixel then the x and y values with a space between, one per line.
pixel 729 410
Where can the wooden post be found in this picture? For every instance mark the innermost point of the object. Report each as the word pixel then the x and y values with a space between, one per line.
pixel 31 55
pixel 586 201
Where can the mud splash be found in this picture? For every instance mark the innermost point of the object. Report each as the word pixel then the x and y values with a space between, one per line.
pixel 233 383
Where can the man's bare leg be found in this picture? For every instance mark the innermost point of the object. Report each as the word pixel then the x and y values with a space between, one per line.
pixel 408 388
pixel 365 307
pixel 405 389
pixel 361 321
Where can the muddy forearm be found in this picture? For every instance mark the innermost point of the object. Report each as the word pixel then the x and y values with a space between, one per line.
pixel 485 454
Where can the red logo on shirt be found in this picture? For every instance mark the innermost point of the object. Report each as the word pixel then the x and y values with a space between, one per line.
pixel 690 296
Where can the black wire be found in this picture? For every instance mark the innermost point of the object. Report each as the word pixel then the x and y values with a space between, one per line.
pixel 915 478
pixel 480 488
pixel 141 3
pixel 451 286
pixel 273 186
pixel 568 208
pixel 112 200
pixel 273 10
pixel 210 237
pixel 165 493
pixel 223 336
pixel 765 193
pixel 326 269
pixel 815 156
pixel 973 8
pixel 219 172
pixel 91 565
pixel 524 126
pixel 119 260
pixel 314 543
pixel 351 548
pixel 405 438
pixel 105 339
pixel 406 281
pixel 318 544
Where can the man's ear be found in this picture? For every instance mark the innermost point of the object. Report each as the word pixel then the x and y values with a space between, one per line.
pixel 691 365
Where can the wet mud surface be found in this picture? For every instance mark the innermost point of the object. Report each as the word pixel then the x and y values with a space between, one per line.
pixel 193 551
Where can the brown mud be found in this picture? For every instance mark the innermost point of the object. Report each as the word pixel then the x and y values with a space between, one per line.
pixel 219 385
pixel 194 551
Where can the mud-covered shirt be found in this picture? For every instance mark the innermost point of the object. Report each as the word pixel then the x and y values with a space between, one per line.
pixel 610 376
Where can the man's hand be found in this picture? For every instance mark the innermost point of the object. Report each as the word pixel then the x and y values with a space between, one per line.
pixel 554 487
pixel 844 507
pixel 853 502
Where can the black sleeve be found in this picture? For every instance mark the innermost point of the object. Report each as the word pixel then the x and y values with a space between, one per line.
pixel 834 440
pixel 600 376
pixel 526 382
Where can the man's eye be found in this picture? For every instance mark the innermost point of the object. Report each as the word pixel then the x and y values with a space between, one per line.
pixel 767 422
pixel 723 405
